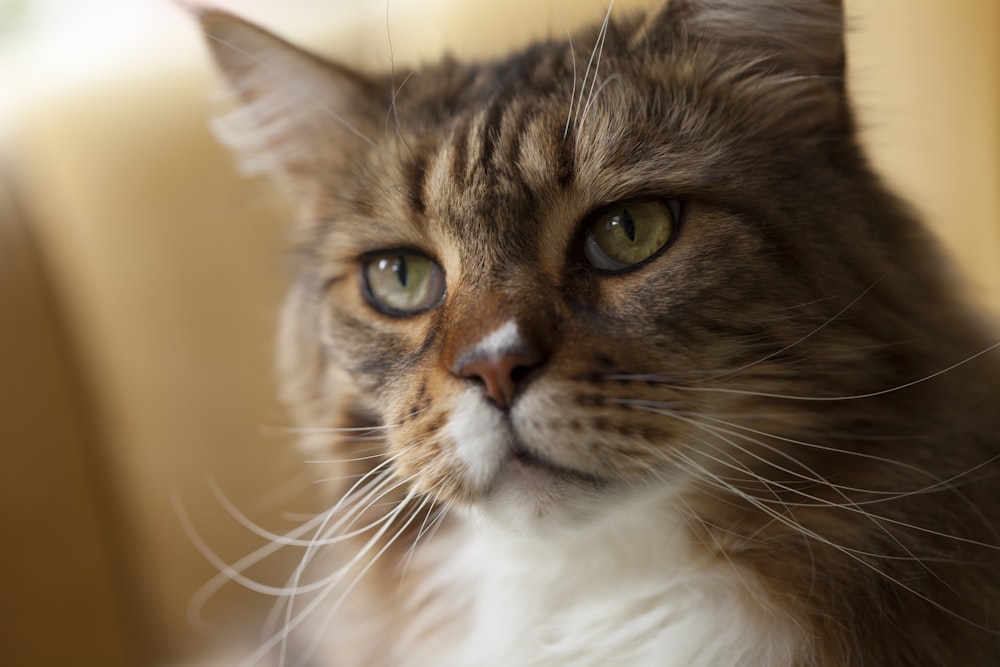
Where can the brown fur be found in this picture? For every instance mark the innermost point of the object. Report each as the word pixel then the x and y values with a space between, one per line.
pixel 870 512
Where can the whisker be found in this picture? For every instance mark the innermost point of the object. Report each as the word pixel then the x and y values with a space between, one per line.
pixel 590 102
pixel 234 572
pixel 372 457
pixel 290 430
pixel 820 502
pixel 854 554
pixel 226 572
pixel 851 504
pixel 356 501
pixel 292 622
pixel 287 604
pixel 572 96
pixel 670 409
pixel 939 484
pixel 596 52
pixel 358 577
pixel 762 394
pixel 816 478
pixel 393 112
pixel 426 525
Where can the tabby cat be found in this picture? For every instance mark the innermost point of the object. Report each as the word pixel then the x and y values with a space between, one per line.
pixel 624 357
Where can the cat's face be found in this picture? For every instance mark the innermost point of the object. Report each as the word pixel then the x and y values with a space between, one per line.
pixel 553 281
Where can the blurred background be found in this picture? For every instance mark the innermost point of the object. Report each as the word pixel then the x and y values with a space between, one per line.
pixel 140 278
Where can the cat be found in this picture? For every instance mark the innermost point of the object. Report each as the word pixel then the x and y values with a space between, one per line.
pixel 623 356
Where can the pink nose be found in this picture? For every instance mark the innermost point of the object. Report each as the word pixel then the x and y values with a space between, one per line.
pixel 501 374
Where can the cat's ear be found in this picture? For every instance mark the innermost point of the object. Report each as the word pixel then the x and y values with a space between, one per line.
pixel 804 35
pixel 793 50
pixel 297 113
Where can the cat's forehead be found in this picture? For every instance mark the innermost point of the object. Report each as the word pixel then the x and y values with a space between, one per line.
pixel 507 158
pixel 681 99
pixel 515 175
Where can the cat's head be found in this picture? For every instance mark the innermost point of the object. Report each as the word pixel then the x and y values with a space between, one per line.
pixel 581 269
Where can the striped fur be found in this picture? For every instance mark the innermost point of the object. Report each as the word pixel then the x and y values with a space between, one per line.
pixel 773 443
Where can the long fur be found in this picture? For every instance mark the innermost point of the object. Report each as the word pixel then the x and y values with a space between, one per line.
pixel 772 442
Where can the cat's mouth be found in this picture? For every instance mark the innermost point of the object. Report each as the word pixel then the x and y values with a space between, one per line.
pixel 521 455
pixel 529 491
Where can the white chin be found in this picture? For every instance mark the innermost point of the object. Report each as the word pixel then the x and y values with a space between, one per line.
pixel 526 498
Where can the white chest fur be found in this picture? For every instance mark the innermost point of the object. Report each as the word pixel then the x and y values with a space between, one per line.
pixel 630 589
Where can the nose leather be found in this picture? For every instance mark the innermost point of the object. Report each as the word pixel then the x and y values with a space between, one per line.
pixel 501 341
pixel 502 373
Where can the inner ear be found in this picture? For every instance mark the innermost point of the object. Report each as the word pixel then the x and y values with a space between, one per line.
pixel 288 97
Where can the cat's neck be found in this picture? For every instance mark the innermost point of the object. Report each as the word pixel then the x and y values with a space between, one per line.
pixel 649 592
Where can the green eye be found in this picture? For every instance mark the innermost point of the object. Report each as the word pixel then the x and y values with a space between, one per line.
pixel 629 234
pixel 402 283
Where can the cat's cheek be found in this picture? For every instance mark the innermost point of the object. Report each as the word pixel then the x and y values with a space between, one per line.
pixel 452 449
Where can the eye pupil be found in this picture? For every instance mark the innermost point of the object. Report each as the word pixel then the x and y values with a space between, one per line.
pixel 628 224
pixel 399 267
